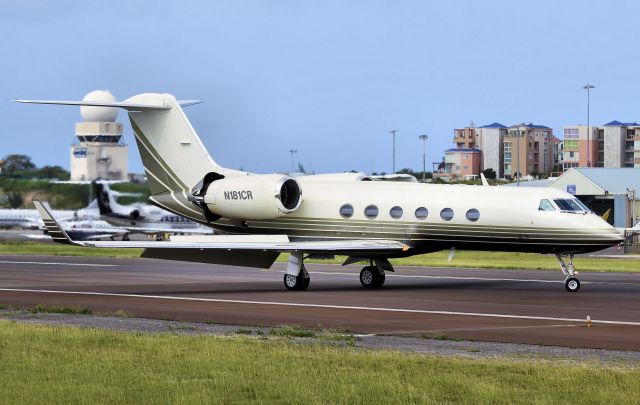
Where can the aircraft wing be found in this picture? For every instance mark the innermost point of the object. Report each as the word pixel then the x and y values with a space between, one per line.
pixel 211 249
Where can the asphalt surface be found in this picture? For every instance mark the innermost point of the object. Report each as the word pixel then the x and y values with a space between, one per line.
pixel 518 306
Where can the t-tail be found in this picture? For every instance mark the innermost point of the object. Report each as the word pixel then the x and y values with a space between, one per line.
pixel 103 197
pixel 174 158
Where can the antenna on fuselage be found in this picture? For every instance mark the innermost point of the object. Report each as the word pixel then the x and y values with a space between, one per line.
pixel 485 183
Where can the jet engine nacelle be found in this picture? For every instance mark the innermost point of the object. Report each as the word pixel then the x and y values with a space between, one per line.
pixel 261 196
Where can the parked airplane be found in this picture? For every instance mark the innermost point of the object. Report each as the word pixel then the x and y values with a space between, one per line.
pixel 30 219
pixel 346 214
pixel 142 218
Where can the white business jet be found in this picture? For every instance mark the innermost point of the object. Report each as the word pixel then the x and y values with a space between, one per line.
pixel 345 214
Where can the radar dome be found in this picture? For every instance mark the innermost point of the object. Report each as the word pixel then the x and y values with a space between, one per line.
pixel 99 114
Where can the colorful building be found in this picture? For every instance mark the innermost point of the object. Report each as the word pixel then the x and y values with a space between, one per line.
pixel 462 163
pixel 615 144
pixel 528 149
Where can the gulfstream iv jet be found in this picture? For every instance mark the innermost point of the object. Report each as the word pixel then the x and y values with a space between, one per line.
pixel 345 214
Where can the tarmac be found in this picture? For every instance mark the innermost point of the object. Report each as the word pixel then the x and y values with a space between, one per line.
pixel 516 306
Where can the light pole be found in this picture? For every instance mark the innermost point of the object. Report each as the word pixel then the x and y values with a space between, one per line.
pixel 518 157
pixel 424 138
pixel 588 88
pixel 393 132
pixel 293 152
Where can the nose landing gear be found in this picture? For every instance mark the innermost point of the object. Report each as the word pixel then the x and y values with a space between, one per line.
pixel 571 283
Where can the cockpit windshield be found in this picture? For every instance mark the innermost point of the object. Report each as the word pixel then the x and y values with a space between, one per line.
pixel 581 204
pixel 545 205
pixel 564 204
pixel 572 205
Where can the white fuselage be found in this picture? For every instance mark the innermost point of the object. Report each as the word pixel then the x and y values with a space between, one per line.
pixel 506 218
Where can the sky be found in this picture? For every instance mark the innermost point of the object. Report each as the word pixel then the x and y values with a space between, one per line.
pixel 327 78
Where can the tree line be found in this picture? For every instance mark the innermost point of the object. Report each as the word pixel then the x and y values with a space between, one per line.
pixel 17 166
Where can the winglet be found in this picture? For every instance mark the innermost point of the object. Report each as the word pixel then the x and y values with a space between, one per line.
pixel 53 227
pixel 485 183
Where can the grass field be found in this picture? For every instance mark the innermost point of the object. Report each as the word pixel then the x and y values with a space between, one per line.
pixel 44 364
pixel 39 248
pixel 496 260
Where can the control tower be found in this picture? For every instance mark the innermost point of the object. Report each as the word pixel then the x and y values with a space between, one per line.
pixel 99 151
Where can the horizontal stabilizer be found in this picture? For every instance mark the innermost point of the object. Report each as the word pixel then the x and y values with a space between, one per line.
pixel 120 104
pixel 187 103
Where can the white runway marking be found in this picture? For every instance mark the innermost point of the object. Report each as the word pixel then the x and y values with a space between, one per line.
pixel 58 263
pixel 488 328
pixel 446 277
pixel 528 280
pixel 327 306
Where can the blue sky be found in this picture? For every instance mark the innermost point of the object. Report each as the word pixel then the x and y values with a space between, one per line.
pixel 328 78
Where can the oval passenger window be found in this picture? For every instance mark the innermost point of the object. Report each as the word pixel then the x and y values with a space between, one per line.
pixel 371 211
pixel 473 215
pixel 422 213
pixel 446 214
pixel 395 212
pixel 346 211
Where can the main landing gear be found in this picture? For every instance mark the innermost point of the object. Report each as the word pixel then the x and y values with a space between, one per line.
pixel 371 276
pixel 296 277
pixel 571 283
pixel 299 282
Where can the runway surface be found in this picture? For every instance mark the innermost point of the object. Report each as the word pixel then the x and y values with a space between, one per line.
pixel 476 304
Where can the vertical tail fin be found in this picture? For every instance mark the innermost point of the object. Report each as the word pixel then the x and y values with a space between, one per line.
pixel 174 158
pixel 102 198
pixel 173 155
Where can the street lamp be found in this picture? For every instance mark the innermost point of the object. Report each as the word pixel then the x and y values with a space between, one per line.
pixel 517 157
pixel 393 132
pixel 588 88
pixel 424 138
pixel 293 152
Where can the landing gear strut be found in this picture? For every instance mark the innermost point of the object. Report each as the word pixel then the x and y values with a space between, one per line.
pixel 571 283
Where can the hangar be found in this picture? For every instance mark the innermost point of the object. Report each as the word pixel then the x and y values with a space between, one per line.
pixel 602 189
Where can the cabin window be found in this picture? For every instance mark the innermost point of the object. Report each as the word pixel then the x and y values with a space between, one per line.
pixel 371 211
pixel 395 212
pixel 346 211
pixel 545 205
pixel 473 215
pixel 446 214
pixel 422 213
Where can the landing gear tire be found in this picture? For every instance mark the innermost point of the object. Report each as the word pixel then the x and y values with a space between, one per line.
pixel 370 277
pixel 299 282
pixel 572 284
